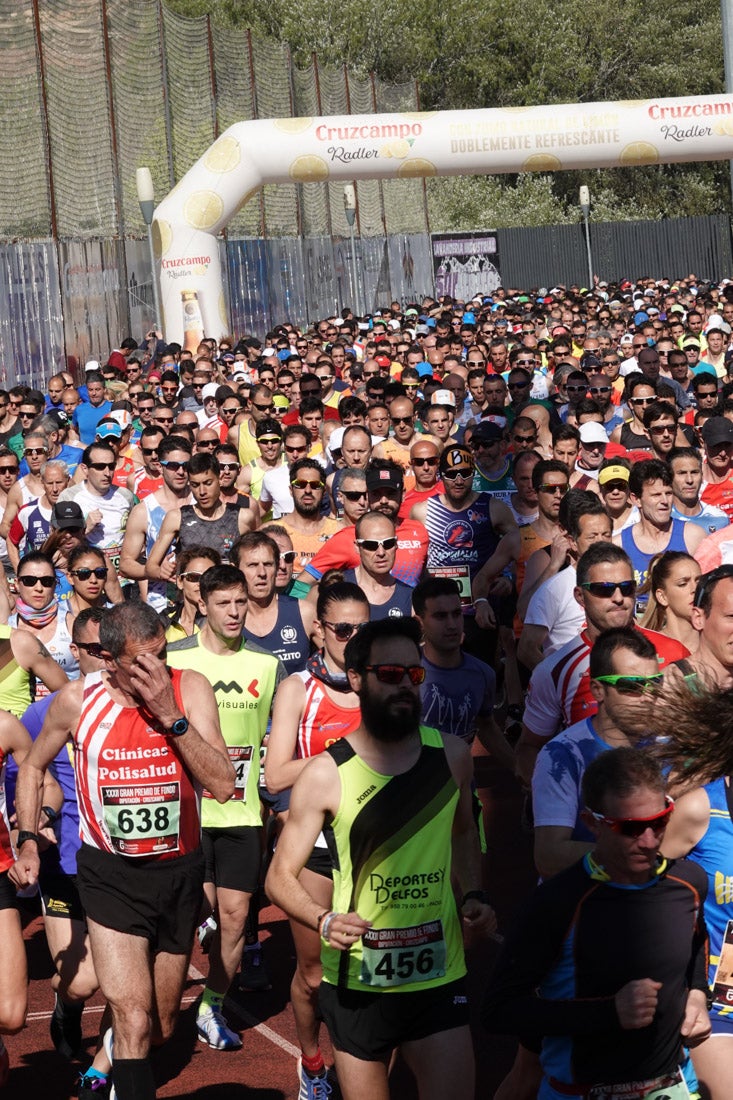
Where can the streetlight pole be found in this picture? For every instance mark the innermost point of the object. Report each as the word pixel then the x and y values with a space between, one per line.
pixel 585 207
pixel 350 211
pixel 726 19
pixel 146 198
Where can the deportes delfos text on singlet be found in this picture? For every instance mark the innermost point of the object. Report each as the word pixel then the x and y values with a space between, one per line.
pixel 244 684
pixel 390 843
pixel 135 797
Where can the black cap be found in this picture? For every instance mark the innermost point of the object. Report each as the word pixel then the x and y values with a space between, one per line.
pixel 66 514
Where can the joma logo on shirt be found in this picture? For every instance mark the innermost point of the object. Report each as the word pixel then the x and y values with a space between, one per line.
pixel 365 794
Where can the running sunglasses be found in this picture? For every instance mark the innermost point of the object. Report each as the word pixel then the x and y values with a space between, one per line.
pixel 394 674
pixel 633 685
pixel 430 461
pixel 102 466
pixel 149 450
pixel 608 588
pixel 99 571
pixel 191 576
pixel 288 556
pixel 561 489
pixel 354 494
pixel 173 466
pixel 452 475
pixel 374 544
pixel 301 483
pixel 94 649
pixel 637 826
pixel 707 579
pixel 31 582
pixel 343 631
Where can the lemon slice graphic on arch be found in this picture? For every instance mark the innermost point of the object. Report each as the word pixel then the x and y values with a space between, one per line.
pixel 309 169
pixel 162 237
pixel 203 209
pixel 224 155
pixel 639 152
pixel 541 162
pixel 416 168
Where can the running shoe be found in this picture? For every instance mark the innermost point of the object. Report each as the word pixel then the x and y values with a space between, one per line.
pixel 4 1065
pixel 65 1028
pixel 313 1088
pixel 93 1088
pixel 212 1029
pixel 253 976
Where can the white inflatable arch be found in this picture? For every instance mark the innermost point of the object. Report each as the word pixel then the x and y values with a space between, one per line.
pixel 403 146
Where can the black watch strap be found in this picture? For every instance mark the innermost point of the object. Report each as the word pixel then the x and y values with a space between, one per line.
pixel 51 814
pixel 476 895
pixel 24 835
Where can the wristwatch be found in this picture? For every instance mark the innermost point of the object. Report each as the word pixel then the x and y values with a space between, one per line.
pixel 179 727
pixel 475 895
pixel 23 835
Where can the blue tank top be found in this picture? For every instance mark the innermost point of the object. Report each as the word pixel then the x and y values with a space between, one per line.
pixel 288 639
pixel 59 858
pixel 399 604
pixel 465 538
pixel 640 560
pixel 714 853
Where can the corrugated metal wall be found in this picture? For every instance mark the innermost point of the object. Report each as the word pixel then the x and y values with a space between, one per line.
pixel 554 254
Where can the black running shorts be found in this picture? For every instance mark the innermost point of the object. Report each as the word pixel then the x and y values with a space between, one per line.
pixel 233 857
pixel 158 899
pixel 370 1025
pixel 8 897
pixel 60 897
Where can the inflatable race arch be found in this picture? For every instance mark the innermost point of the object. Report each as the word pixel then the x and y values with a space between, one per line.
pixel 403 146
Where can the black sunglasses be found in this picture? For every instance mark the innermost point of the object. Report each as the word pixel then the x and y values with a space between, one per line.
pixel 31 582
pixel 99 571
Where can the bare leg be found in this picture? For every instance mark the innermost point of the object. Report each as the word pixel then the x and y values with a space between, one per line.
pixel 169 978
pixel 443 1064
pixel 226 948
pixel 124 970
pixel 75 979
pixel 358 1079
pixel 308 973
pixel 13 973
pixel 713 1062
pixel 524 1078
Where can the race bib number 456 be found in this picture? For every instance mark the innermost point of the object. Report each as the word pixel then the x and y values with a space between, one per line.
pixel 396 956
pixel 143 821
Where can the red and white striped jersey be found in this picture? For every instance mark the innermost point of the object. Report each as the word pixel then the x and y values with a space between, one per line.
pixel 135 797
pixel 559 688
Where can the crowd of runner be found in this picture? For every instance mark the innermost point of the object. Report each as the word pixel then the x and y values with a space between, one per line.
pixel 260 597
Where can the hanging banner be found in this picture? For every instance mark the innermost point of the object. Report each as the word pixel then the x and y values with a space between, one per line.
pixel 465 264
pixel 403 146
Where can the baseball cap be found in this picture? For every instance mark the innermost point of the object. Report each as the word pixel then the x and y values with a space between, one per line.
pixel 486 432
pixel 91 364
pixel 613 473
pixel 122 417
pixel 59 416
pixel 66 514
pixel 593 432
pixel 108 431
pixel 209 390
pixel 383 360
pixel 443 397
pixel 718 429
pixel 455 456
pixel 384 479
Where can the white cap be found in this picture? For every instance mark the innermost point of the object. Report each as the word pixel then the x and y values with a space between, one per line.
pixel 443 397
pixel 592 432
pixel 91 364
pixel 209 390
pixel 122 417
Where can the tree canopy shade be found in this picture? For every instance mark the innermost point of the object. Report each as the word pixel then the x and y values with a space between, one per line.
pixel 511 53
